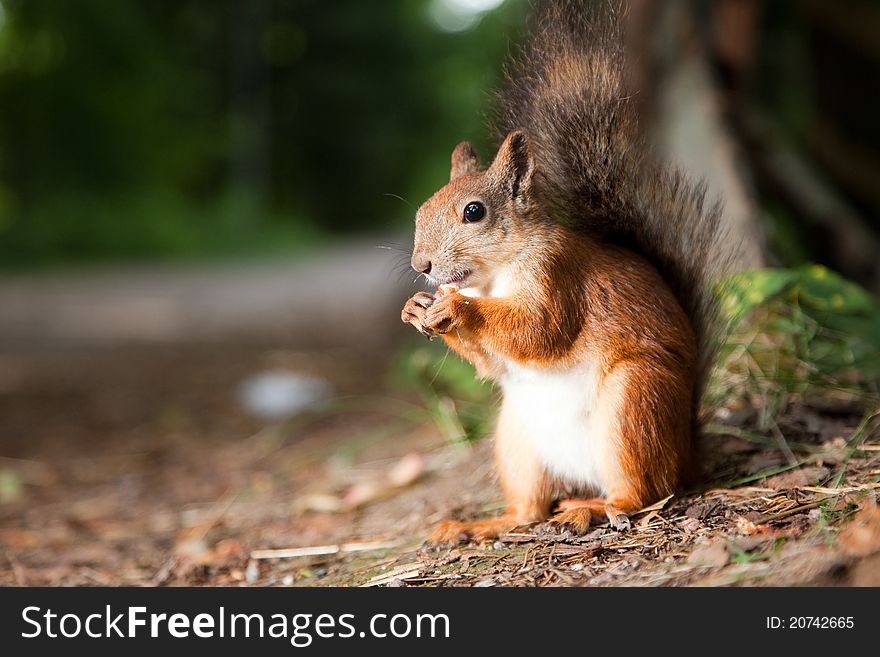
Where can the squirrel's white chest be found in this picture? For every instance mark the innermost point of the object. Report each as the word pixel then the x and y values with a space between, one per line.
pixel 559 413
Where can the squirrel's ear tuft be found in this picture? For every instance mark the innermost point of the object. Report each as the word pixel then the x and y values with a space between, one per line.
pixel 464 160
pixel 514 165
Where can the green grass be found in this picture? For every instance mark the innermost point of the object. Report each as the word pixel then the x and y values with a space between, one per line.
pixel 461 405
pixel 798 335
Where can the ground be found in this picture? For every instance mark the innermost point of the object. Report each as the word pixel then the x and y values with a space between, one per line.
pixel 137 466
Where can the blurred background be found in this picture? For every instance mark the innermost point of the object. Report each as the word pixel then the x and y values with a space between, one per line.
pixel 144 131
pixel 205 211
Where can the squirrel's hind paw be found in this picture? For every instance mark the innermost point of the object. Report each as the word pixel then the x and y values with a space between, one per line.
pixel 453 532
pixel 577 519
pixel 571 511
pixel 620 521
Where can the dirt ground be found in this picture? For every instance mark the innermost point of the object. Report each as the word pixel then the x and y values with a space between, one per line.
pixel 137 466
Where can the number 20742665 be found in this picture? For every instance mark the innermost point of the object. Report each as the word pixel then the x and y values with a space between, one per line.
pixel 810 622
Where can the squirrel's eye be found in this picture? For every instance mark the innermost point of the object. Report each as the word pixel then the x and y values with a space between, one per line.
pixel 474 211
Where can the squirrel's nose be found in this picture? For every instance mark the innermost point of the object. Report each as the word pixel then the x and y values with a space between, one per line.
pixel 421 264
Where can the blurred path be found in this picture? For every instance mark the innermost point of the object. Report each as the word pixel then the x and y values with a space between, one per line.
pixel 100 360
pixel 334 296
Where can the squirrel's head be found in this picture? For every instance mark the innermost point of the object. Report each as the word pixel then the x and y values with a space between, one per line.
pixel 475 225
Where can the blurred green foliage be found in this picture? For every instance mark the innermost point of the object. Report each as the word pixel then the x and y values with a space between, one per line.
pixel 131 128
pixel 460 405
pixel 798 334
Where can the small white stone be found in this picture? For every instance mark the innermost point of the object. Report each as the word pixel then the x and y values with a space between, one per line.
pixel 252 572
pixel 275 395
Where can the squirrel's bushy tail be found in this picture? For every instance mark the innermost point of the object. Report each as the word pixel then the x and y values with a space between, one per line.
pixel 568 90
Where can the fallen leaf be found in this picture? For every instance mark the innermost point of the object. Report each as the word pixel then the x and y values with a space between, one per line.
pixel 861 536
pixel 363 493
pixel 194 550
pixel 407 470
pixel 318 503
pixel 690 525
pixel 701 510
pixel 656 506
pixel 713 554
pixel 745 527
pixel 866 572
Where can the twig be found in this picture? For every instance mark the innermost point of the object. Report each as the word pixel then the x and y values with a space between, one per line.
pixel 794 511
pixel 402 572
pixel 316 550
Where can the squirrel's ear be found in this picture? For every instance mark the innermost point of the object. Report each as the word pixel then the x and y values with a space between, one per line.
pixel 464 160
pixel 514 164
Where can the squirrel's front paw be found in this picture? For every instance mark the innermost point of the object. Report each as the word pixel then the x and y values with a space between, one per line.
pixel 444 314
pixel 414 311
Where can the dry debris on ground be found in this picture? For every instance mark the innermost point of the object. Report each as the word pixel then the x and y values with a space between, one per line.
pixel 346 498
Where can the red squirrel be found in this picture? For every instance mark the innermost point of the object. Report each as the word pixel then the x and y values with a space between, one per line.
pixel 579 273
